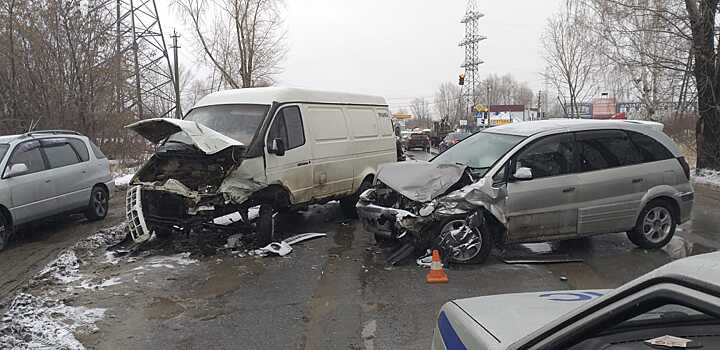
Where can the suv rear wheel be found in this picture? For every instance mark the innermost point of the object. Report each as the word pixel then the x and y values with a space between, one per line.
pixel 5 231
pixel 98 206
pixel 655 226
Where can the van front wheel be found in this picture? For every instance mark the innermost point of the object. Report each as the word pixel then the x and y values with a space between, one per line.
pixel 265 225
pixel 348 204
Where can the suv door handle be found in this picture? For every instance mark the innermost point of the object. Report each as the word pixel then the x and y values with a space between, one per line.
pixel 637 180
pixel 303 163
pixel 48 181
pixel 569 189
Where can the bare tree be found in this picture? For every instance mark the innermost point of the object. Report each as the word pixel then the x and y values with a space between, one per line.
pixel 420 108
pixel 571 57
pixel 505 90
pixel 242 39
pixel 706 69
pixel 449 103
pixel 645 47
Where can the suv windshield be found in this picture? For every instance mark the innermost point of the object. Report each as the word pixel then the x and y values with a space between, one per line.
pixel 3 150
pixel 480 151
pixel 239 122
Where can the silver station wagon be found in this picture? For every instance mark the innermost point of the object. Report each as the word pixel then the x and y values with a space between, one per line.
pixel 533 181
pixel 46 173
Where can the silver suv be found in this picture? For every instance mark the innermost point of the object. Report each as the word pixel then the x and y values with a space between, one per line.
pixel 51 172
pixel 533 181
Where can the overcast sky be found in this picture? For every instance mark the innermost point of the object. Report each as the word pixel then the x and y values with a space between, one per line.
pixel 399 49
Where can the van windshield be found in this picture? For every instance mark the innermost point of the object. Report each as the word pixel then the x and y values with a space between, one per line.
pixel 3 150
pixel 479 152
pixel 239 121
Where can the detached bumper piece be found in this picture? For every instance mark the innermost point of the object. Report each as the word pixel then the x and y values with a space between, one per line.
pixel 378 220
pixel 134 213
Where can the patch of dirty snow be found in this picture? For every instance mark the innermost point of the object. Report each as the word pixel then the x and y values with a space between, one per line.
pixel 103 238
pixel 64 269
pixel 88 284
pixel 123 180
pixel 168 262
pixel 707 177
pixel 38 323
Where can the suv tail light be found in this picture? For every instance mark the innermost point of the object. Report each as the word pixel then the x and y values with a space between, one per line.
pixel 685 166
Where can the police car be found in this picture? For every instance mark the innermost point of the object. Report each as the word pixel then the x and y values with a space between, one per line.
pixel 673 307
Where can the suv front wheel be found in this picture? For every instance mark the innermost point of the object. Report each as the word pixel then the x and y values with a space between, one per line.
pixel 655 226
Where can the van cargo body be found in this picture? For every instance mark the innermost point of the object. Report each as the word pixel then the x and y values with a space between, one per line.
pixel 281 148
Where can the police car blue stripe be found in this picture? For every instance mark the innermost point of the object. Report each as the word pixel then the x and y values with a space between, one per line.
pixel 450 338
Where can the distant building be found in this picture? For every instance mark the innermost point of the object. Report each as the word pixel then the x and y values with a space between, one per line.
pixel 604 107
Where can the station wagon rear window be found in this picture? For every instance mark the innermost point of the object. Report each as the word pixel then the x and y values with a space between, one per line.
pixel 3 150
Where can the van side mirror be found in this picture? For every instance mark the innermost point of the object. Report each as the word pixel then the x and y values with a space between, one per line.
pixel 17 169
pixel 277 147
pixel 523 174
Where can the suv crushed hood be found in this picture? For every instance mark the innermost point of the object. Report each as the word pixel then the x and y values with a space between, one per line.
pixel 509 317
pixel 207 140
pixel 420 181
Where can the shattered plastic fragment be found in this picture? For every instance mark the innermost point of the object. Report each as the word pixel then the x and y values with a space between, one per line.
pixel 284 247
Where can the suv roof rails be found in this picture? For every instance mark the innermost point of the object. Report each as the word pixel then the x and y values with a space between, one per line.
pixel 54 132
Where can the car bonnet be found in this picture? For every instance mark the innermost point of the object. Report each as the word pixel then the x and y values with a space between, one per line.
pixel 509 317
pixel 419 180
pixel 207 140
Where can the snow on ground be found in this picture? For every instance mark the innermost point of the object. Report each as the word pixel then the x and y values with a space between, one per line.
pixel 707 177
pixel 123 180
pixel 64 269
pixel 32 322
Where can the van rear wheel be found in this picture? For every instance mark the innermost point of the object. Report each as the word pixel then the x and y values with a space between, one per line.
pixel 655 226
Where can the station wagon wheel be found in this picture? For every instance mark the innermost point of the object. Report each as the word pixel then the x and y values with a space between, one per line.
pixel 465 244
pixel 4 232
pixel 655 226
pixel 98 206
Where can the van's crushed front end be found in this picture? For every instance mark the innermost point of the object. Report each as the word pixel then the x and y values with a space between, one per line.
pixel 187 184
pixel 422 204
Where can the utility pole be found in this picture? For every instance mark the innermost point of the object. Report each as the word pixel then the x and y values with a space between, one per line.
pixel 539 105
pixel 175 47
pixel 470 43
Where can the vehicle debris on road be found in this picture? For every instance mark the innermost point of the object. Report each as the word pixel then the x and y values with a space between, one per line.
pixel 283 247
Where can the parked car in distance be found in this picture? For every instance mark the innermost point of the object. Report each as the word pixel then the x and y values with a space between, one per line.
pixel 277 148
pixel 418 140
pixel 45 173
pixel 532 182
pixel 679 299
pixel 452 139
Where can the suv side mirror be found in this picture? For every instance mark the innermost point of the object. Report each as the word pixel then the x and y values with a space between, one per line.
pixel 277 147
pixel 523 174
pixel 17 169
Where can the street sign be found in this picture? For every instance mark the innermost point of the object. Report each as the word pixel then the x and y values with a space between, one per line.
pixel 463 122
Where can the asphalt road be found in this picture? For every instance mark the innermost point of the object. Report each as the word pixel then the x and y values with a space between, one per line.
pixel 337 292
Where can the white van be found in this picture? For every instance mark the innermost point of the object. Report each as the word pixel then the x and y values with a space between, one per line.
pixel 279 148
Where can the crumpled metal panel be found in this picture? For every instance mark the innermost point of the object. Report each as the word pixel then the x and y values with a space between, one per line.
pixel 418 180
pixel 207 140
